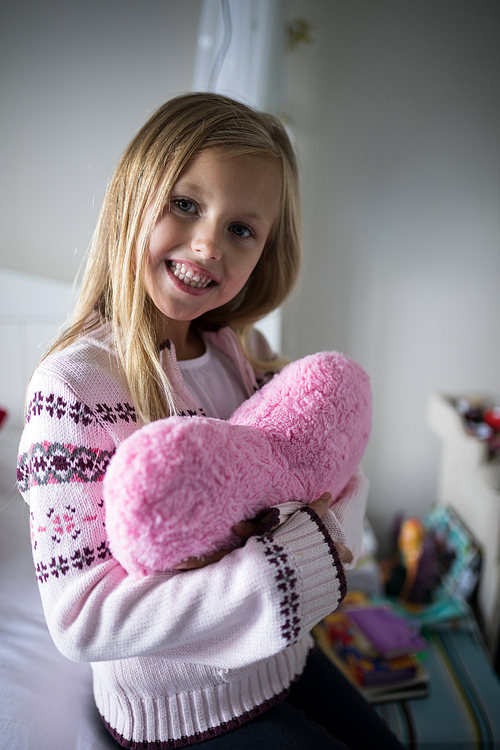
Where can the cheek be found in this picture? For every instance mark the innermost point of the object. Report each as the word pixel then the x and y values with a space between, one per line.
pixel 244 270
pixel 163 235
pixel 153 251
pixel 248 270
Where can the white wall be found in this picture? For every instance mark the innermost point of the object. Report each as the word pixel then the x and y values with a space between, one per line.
pixel 396 110
pixel 78 80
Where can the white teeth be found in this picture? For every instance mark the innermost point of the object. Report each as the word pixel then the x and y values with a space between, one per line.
pixel 187 276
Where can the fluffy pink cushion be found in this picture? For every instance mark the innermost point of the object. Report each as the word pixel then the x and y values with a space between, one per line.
pixel 175 488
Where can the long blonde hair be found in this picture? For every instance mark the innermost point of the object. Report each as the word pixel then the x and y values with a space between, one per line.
pixel 112 285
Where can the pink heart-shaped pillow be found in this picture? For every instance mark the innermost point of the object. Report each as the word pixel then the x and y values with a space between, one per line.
pixel 176 487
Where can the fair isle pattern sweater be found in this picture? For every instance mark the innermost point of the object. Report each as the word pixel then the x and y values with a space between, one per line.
pixel 177 657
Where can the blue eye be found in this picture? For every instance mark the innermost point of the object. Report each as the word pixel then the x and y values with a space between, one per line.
pixel 240 230
pixel 183 204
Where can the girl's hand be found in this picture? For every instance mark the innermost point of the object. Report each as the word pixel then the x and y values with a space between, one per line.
pixel 321 505
pixel 244 529
pixel 199 562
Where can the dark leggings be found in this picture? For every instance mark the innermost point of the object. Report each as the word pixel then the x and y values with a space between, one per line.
pixel 322 712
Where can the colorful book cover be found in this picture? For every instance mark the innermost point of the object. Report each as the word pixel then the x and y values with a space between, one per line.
pixel 415 687
pixel 365 666
pixel 390 634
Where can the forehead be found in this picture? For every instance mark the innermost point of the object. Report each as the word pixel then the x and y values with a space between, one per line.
pixel 253 181
pixel 215 163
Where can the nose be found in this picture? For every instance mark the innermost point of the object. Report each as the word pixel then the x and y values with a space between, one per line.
pixel 207 241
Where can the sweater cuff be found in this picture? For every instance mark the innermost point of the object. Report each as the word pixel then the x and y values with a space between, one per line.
pixel 344 519
pixel 312 580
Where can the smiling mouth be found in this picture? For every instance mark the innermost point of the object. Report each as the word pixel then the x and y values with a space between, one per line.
pixel 189 277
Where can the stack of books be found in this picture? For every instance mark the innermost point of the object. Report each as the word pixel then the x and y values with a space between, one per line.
pixel 377 649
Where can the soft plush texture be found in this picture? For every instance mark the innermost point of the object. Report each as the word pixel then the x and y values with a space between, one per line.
pixel 176 487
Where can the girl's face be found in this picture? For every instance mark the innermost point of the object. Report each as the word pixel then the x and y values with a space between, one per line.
pixel 212 233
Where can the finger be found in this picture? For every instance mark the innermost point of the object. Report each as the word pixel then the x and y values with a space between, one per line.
pixel 345 553
pixel 321 505
pixel 246 529
pixel 200 562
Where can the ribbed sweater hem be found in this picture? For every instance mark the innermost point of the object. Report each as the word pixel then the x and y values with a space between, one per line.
pixel 333 551
pixel 208 734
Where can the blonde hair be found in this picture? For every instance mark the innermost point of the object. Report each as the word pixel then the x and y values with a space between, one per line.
pixel 112 285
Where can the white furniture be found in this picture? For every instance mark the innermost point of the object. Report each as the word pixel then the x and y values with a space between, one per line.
pixel 469 483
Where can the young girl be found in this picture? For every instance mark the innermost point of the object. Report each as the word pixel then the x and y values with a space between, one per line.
pixel 198 238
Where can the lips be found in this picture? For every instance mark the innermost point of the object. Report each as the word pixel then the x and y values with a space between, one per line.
pixel 191 277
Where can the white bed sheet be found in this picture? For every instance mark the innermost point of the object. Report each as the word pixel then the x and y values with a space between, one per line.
pixel 46 700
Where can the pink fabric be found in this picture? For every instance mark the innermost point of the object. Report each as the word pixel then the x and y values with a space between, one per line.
pixel 176 487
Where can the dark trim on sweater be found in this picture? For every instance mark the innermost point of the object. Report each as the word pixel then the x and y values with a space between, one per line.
pixel 208 734
pixel 333 550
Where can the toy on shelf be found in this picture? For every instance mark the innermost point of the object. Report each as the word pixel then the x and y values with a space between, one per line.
pixel 411 571
pixel 482 419
pixel 435 570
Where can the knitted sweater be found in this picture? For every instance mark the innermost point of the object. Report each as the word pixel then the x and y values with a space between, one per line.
pixel 182 656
